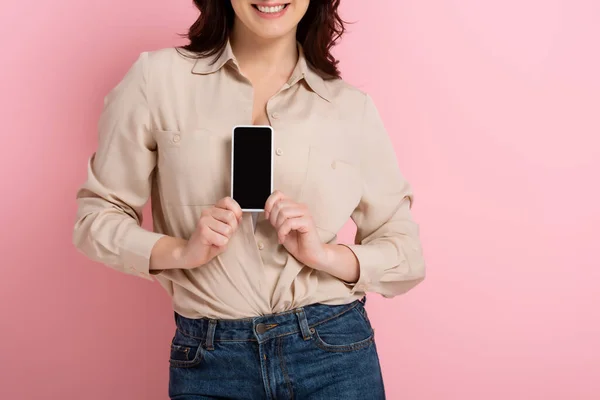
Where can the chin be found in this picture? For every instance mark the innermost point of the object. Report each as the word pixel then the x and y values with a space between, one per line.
pixel 267 33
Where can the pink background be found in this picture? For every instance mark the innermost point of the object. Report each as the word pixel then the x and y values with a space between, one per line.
pixel 494 108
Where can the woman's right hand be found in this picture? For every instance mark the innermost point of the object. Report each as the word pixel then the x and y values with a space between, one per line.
pixel 216 226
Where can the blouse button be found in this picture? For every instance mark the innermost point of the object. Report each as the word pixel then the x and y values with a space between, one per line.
pixel 333 165
pixel 279 151
pixel 275 115
pixel 176 138
pixel 261 245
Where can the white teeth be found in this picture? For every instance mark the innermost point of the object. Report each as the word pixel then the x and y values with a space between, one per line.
pixel 270 10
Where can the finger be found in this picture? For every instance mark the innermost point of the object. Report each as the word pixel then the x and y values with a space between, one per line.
pixel 228 203
pixel 276 209
pixel 221 227
pixel 288 211
pixel 226 216
pixel 299 224
pixel 271 201
pixel 213 238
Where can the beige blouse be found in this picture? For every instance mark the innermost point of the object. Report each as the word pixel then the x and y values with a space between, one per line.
pixel 165 136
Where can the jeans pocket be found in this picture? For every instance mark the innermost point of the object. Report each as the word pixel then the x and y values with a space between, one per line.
pixel 347 332
pixel 186 351
pixel 353 346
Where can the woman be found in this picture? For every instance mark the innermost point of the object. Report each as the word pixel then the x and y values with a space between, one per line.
pixel 266 306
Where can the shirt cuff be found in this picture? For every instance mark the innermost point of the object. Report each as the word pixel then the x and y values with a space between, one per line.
pixel 136 250
pixel 370 260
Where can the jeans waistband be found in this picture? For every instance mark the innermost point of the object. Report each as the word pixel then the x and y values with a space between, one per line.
pixel 262 328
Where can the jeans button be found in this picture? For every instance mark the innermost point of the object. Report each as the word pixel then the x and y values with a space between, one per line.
pixel 261 328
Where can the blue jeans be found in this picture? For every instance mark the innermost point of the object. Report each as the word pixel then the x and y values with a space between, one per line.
pixel 313 352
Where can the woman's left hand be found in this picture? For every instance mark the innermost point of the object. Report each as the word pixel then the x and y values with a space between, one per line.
pixel 296 230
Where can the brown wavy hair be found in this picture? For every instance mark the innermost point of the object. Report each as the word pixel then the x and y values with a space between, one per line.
pixel 318 31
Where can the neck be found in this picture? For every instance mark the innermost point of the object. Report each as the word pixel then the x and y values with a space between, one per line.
pixel 253 53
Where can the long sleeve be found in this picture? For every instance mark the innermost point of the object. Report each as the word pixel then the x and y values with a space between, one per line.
pixel 109 214
pixel 387 243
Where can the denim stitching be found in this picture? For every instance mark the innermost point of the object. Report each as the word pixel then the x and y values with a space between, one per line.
pixel 188 364
pixel 342 348
pixel 189 334
pixel 270 393
pixel 334 316
pixel 363 319
pixel 184 349
pixel 286 377
pixel 277 336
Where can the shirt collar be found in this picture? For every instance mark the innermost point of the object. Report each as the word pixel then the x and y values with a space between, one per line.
pixel 302 71
pixel 209 65
pixel 314 80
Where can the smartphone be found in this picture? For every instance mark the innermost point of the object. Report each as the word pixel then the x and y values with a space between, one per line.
pixel 252 166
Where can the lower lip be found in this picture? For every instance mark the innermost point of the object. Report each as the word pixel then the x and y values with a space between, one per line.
pixel 271 15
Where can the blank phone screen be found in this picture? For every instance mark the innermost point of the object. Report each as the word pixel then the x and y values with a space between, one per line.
pixel 252 164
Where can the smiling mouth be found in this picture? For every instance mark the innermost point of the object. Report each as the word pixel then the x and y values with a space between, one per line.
pixel 270 9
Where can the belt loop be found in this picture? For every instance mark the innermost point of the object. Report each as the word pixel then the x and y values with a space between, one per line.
pixel 210 334
pixel 303 322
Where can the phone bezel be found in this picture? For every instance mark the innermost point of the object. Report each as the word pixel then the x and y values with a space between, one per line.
pixel 272 133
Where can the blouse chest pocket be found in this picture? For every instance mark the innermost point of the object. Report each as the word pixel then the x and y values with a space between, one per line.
pixel 332 188
pixel 193 166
